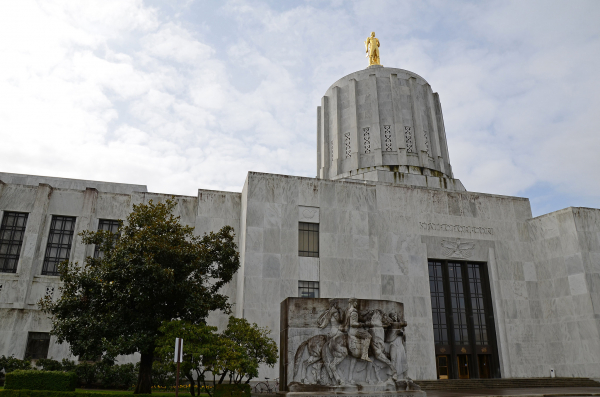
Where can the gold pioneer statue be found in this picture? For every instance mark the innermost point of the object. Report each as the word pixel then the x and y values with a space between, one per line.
pixel 372 45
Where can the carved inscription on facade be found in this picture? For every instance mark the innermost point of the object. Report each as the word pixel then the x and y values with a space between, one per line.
pixel 455 228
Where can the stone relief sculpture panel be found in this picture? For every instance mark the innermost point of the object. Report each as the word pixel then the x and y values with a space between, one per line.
pixel 344 345
pixel 458 249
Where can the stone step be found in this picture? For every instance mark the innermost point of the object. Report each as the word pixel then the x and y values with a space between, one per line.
pixel 504 383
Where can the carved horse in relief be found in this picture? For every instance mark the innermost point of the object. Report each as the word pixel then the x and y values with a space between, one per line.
pixel 376 321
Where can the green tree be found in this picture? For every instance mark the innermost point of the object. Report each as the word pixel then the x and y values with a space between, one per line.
pixel 238 351
pixel 256 344
pixel 154 270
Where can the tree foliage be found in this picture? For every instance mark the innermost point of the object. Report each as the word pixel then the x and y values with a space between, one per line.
pixel 153 270
pixel 236 353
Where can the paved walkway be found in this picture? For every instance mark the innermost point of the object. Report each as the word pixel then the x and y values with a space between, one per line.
pixel 524 392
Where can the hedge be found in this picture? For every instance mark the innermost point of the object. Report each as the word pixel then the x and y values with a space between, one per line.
pixel 232 390
pixel 45 393
pixel 40 380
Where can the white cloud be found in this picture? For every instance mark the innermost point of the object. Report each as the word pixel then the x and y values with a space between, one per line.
pixel 186 98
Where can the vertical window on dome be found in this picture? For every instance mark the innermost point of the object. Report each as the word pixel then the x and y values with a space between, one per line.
pixel 308 289
pixel 59 244
pixel 347 144
pixel 109 225
pixel 367 140
pixel 387 137
pixel 409 140
pixel 12 230
pixel 308 239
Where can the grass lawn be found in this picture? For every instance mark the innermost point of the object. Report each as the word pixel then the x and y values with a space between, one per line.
pixel 165 394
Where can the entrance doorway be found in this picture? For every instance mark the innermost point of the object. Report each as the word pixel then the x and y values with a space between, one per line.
pixel 463 320
pixel 463 366
pixel 443 371
pixel 483 361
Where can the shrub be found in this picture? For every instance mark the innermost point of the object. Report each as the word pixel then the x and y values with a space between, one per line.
pixel 232 390
pixel 116 376
pixel 87 373
pixel 9 364
pixel 41 380
pixel 46 393
pixel 49 364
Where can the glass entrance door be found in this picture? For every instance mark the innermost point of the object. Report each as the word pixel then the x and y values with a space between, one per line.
pixel 483 361
pixel 442 367
pixel 463 366
pixel 463 320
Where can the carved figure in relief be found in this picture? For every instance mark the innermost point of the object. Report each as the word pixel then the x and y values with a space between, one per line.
pixel 372 49
pixel 333 317
pixel 358 339
pixel 376 320
pixel 372 335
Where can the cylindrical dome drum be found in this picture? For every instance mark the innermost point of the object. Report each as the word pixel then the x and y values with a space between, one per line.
pixel 383 124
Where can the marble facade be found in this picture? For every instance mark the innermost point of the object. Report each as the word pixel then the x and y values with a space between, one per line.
pixel 381 216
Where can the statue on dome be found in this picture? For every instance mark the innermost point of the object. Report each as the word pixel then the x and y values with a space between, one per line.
pixel 372 46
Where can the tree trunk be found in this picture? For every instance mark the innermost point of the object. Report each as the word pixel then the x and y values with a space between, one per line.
pixel 144 383
pixel 190 377
pixel 223 375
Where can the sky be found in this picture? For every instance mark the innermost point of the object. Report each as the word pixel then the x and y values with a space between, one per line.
pixel 181 95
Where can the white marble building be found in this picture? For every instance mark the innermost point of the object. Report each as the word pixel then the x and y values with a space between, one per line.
pixel 482 282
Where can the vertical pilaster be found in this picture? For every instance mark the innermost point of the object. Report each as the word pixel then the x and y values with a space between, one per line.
pixel 442 133
pixel 335 132
pixel 420 143
pixel 319 144
pixel 325 143
pixel 86 221
pixel 435 139
pixel 30 263
pixel 375 124
pixel 398 121
pixel 354 135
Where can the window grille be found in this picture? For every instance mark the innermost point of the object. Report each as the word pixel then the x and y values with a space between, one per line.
pixel 331 151
pixel 438 306
pixel 457 299
pixel 37 345
pixel 109 225
pixel 12 231
pixel 426 136
pixel 308 239
pixel 367 139
pixel 409 140
pixel 59 244
pixel 347 144
pixel 387 136
pixel 477 304
pixel 308 289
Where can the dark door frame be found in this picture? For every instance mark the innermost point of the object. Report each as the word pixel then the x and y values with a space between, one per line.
pixel 472 350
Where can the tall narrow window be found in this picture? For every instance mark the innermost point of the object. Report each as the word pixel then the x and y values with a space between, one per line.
pixel 438 305
pixel 408 138
pixel 109 225
pixel 462 316
pixel 367 139
pixel 457 299
pixel 37 345
pixel 347 145
pixel 308 239
pixel 12 231
pixel 387 136
pixel 477 304
pixel 308 289
pixel 59 244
